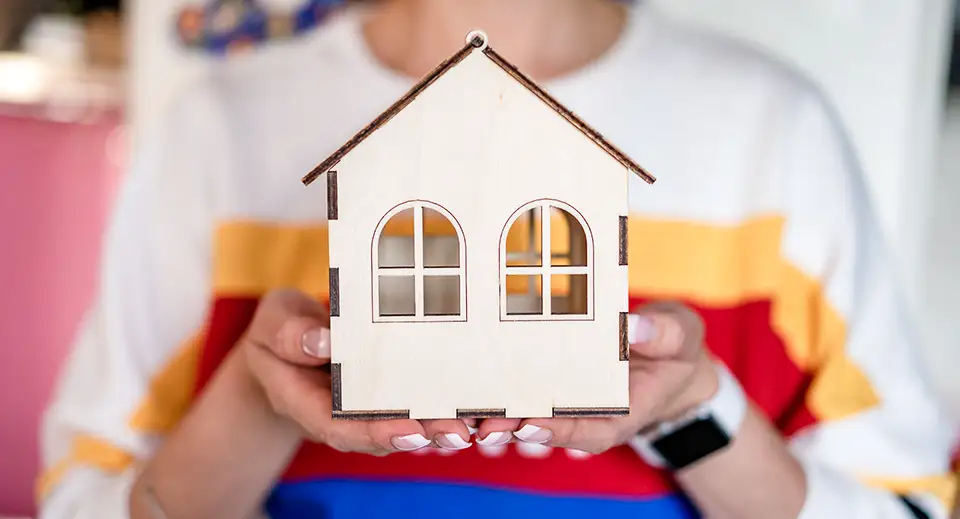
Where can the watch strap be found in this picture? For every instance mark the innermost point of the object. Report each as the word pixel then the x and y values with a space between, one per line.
pixel 708 428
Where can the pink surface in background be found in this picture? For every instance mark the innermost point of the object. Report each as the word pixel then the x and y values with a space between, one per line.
pixel 56 188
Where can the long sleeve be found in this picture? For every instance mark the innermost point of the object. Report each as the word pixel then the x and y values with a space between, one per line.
pixel 138 334
pixel 881 448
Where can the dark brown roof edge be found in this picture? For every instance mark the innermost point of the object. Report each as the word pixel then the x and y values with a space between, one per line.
pixel 477 42
pixel 569 116
pixel 394 109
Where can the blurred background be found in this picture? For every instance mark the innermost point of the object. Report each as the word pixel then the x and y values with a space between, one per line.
pixel 82 80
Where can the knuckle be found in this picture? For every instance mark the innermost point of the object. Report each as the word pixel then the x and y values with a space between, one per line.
pixel 382 452
pixel 374 436
pixel 335 440
pixel 278 404
pixel 599 440
pixel 610 440
pixel 564 436
pixel 599 446
pixel 313 433
pixel 269 302
pixel 593 449
pixel 679 334
pixel 350 440
pixel 289 329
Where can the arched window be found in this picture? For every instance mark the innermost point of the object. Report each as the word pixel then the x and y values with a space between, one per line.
pixel 419 265
pixel 546 264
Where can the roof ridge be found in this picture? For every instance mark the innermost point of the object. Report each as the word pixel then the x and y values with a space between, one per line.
pixel 476 40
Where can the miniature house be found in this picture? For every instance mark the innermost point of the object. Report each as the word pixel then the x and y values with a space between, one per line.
pixel 478 255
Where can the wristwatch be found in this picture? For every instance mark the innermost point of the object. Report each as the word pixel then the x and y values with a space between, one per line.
pixel 705 430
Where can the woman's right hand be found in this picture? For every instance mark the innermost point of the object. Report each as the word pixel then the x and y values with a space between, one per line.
pixel 285 350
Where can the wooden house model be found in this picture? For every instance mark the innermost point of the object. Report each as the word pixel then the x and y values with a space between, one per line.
pixel 478 255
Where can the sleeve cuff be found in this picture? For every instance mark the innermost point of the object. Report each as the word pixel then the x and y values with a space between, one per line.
pixel 831 494
pixel 91 494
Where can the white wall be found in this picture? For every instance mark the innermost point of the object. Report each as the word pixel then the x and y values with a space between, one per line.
pixel 882 63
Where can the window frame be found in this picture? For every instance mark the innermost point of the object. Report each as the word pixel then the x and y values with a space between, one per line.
pixel 546 269
pixel 418 271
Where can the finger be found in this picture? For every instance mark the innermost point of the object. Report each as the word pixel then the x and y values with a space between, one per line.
pixel 378 437
pixel 398 435
pixel 304 341
pixel 666 330
pixel 656 336
pixel 307 401
pixel 448 434
pixel 593 435
pixel 497 431
pixel 471 424
pixel 295 392
pixel 293 327
pixel 544 431
pixel 304 396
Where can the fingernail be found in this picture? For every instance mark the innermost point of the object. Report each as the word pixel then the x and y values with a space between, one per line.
pixel 495 438
pixel 472 430
pixel 451 441
pixel 642 329
pixel 533 434
pixel 316 343
pixel 410 442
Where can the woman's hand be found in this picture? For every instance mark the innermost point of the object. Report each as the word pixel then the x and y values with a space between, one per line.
pixel 271 392
pixel 285 351
pixel 670 373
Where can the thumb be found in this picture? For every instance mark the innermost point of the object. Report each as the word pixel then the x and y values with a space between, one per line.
pixel 303 341
pixel 293 327
pixel 314 340
pixel 654 336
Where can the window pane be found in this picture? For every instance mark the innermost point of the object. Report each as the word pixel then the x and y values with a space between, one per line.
pixel 527 301
pixel 569 294
pixel 396 242
pixel 523 240
pixel 568 241
pixel 397 296
pixel 441 245
pixel 441 295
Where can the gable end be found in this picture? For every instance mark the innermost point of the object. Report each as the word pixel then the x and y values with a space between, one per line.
pixel 571 117
pixel 394 109
pixel 478 42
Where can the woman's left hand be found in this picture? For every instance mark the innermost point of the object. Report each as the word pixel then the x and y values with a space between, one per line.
pixel 670 373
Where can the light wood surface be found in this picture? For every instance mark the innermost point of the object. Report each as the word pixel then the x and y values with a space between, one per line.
pixel 479 148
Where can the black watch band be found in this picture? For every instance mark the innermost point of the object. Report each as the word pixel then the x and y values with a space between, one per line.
pixel 691 442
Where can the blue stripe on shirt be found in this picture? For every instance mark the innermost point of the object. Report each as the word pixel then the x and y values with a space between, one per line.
pixel 355 499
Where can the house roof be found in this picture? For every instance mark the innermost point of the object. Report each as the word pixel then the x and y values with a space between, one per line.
pixel 476 41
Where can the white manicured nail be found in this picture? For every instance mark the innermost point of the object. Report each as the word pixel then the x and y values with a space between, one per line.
pixel 472 430
pixel 641 328
pixel 533 434
pixel 316 343
pixel 410 442
pixel 495 438
pixel 451 441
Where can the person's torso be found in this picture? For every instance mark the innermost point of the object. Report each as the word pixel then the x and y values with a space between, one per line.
pixel 706 233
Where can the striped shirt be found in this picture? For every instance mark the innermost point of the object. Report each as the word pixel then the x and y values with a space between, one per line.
pixel 759 220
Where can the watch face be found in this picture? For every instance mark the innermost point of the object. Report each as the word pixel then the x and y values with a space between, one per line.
pixel 692 442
